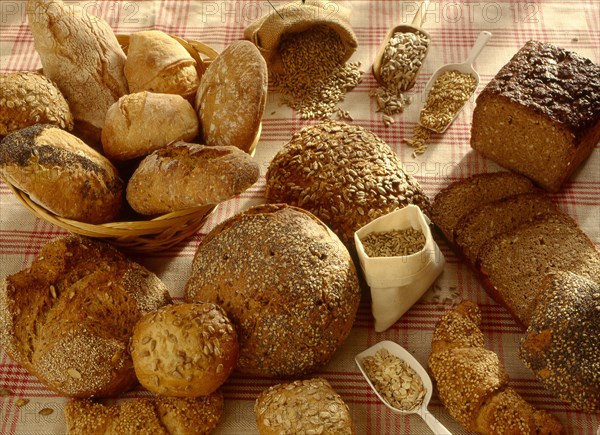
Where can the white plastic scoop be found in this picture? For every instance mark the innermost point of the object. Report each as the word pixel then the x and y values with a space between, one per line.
pixel 414 27
pixel 397 350
pixel 465 68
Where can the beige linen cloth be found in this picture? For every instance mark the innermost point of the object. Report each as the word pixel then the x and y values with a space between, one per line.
pixel 293 17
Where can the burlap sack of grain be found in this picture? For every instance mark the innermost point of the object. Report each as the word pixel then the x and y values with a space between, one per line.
pixel 266 32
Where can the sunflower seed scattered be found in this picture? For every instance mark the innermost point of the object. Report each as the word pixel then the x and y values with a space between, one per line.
pixel 46 411
pixel 21 402
pixel 395 380
pixel 5 392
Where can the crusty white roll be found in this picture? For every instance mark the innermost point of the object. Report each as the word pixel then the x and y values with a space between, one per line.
pixel 143 122
pixel 184 175
pixel 309 406
pixel 61 173
pixel 232 95
pixel 81 54
pixel 29 98
pixel 157 62
pixel 185 350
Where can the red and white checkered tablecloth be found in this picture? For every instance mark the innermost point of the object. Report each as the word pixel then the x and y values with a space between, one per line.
pixel 453 26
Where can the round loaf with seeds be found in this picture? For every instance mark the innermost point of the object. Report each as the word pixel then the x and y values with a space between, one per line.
pixel 68 318
pixel 562 345
pixel 185 350
pixel 309 406
pixel 31 98
pixel 286 282
pixel 62 174
pixel 343 174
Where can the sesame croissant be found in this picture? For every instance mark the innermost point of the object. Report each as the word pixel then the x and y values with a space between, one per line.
pixel 473 384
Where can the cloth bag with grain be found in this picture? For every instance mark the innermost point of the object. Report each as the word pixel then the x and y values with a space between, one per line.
pixel 266 32
pixel 398 282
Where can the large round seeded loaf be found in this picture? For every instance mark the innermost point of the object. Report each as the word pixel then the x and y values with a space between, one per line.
pixel 343 174
pixel 562 345
pixel 61 173
pixel 31 98
pixel 286 282
pixel 69 317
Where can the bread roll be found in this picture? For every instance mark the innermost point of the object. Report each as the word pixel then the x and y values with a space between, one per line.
pixel 68 318
pixel 232 95
pixel 161 415
pixel 343 174
pixel 143 122
pixel 61 173
pixel 156 62
pixel 286 282
pixel 185 175
pixel 562 345
pixel 186 350
pixel 81 54
pixel 302 407
pixel 30 98
pixel 473 384
pixel 540 115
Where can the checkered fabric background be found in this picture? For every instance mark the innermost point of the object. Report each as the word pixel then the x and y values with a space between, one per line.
pixel 454 26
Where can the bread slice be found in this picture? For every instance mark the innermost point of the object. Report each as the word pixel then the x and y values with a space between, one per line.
pixel 489 220
pixel 513 264
pixel 461 197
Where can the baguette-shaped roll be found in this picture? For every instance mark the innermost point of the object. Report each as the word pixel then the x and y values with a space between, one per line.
pixel 143 122
pixel 184 175
pixel 473 384
pixel 159 416
pixel 81 54
pixel 156 62
pixel 61 173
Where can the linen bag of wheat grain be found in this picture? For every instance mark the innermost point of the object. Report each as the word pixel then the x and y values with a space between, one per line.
pixel 266 33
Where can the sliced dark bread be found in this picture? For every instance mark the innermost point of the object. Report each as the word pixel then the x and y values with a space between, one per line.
pixel 489 220
pixel 512 265
pixel 461 197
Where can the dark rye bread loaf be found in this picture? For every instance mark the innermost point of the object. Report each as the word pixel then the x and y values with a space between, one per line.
pixel 540 115
pixel 287 284
pixel 69 317
pixel 513 264
pixel 562 345
pixel 489 220
pixel 462 197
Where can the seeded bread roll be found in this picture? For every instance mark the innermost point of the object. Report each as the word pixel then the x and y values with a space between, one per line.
pixel 68 318
pixel 62 174
pixel 186 350
pixel 513 264
pixel 307 406
pixel 473 384
pixel 161 415
pixel 143 122
pixel 232 95
pixel 184 175
pixel 460 198
pixel 562 345
pixel 286 282
pixel 81 54
pixel 540 115
pixel 31 98
pixel 343 174
pixel 156 62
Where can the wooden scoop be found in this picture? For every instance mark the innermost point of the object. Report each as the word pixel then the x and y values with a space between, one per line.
pixel 465 68
pixel 414 27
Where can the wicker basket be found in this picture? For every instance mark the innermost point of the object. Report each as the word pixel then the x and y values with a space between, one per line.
pixel 140 235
